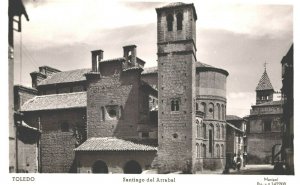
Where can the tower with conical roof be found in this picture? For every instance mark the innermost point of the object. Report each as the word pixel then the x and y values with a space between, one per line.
pixel 264 89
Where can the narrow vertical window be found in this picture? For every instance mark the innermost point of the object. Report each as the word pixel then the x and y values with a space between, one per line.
pixel 222 150
pixel 103 113
pixel 179 18
pixel 121 112
pixel 204 130
pixel 198 150
pixel 218 150
pixel 218 132
pixel 170 22
pixel 210 138
pixel 204 150
pixel 175 105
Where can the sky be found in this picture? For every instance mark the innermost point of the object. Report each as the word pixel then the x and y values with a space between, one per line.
pixel 238 37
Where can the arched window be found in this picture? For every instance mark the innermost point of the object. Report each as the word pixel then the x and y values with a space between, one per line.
pixel 198 150
pixel 210 138
pixel 223 131
pixel 198 129
pixel 204 130
pixel 218 131
pixel 175 105
pixel 223 112
pixel 179 18
pixel 210 111
pixel 222 150
pixel 218 150
pixel 203 108
pixel 170 22
pixel 203 150
pixel 219 111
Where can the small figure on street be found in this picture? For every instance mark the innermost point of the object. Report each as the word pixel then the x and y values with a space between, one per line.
pixel 238 162
pixel 245 158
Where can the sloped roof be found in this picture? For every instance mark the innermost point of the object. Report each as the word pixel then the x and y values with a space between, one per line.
pixel 149 70
pixel 112 144
pixel 66 76
pixel 234 127
pixel 270 103
pixel 173 4
pixel 199 65
pixel 233 117
pixel 264 83
pixel 55 101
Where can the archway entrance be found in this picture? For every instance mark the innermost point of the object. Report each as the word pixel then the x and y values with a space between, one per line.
pixel 132 167
pixel 99 167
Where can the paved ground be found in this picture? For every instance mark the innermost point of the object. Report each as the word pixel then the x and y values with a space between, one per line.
pixel 263 169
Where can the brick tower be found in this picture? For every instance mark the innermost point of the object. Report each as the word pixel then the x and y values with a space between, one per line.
pixel 176 42
pixel 264 89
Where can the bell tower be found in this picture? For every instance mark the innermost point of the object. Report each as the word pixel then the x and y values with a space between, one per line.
pixel 264 89
pixel 176 51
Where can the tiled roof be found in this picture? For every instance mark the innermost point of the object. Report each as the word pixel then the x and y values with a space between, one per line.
pixel 270 103
pixel 232 117
pixel 149 70
pixel 112 144
pixel 55 101
pixel 113 59
pixel 234 127
pixel 173 4
pixel 66 76
pixel 264 83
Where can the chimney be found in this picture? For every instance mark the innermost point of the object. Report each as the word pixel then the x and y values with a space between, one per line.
pixel 130 54
pixel 36 78
pixel 97 56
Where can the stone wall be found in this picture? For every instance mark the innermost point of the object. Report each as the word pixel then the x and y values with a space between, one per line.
pixel 115 161
pixel 56 152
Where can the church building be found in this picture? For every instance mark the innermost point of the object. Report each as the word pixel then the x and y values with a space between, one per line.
pixel 119 117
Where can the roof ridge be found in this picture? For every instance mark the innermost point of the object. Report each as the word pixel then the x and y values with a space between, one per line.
pixel 61 94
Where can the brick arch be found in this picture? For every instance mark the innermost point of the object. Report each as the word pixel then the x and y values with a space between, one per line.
pixel 132 167
pixel 99 167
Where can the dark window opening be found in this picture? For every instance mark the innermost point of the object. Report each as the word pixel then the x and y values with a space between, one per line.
pixel 175 136
pixel 145 134
pixel 197 106
pixel 170 22
pixel 267 126
pixel 175 105
pixel 210 110
pixel 103 113
pixel 179 21
pixel 65 127
pixel 210 135
pixel 112 113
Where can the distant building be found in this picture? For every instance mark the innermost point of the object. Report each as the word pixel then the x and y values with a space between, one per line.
pixel 264 124
pixel 288 110
pixel 235 138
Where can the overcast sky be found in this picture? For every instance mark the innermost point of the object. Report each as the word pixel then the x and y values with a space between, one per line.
pixel 236 37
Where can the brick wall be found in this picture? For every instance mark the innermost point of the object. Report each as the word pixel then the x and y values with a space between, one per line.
pixel 57 155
